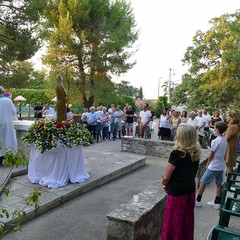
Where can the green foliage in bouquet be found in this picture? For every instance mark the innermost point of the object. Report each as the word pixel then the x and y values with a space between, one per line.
pixel 47 134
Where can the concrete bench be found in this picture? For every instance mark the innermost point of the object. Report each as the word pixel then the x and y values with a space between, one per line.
pixel 159 149
pixel 138 220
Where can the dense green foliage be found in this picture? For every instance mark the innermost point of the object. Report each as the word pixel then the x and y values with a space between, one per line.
pixel 124 88
pixel 123 100
pixel 19 39
pixel 161 104
pixel 213 78
pixel 33 95
pixel 23 75
pixel 106 95
pixel 88 41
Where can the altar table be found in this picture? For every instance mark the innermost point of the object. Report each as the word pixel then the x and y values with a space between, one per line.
pixel 56 167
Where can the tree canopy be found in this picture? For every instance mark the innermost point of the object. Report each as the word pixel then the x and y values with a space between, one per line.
pixel 213 77
pixel 124 88
pixel 88 41
pixel 19 39
pixel 23 75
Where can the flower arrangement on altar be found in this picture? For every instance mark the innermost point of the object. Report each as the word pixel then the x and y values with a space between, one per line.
pixel 47 134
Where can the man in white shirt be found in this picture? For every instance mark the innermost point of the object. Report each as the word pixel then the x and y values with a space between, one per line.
pixel 48 111
pixel 192 119
pixel 145 118
pixel 208 119
pixel 99 111
pixel 85 114
pixel 201 121
pixel 111 109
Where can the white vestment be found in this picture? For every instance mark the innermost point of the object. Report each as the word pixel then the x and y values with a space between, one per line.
pixel 8 139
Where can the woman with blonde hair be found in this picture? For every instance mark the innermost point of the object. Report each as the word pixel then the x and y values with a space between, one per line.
pixel 178 181
pixel 232 136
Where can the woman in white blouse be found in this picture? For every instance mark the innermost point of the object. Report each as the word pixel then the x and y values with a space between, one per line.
pixel 164 126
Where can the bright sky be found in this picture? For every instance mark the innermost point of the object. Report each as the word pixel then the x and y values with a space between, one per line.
pixel 166 30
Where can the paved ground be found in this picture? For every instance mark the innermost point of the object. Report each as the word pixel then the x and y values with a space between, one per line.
pixel 84 217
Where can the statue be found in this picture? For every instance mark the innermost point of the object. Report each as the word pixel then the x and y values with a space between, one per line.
pixel 61 100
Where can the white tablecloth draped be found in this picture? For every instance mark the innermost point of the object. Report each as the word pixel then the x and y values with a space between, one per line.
pixel 56 167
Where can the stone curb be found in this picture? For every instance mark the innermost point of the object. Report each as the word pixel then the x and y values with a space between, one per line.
pixel 14 173
pixel 60 195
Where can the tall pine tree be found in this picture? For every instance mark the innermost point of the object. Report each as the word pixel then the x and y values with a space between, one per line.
pixel 92 40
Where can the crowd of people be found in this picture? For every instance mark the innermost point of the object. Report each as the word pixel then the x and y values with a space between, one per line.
pixel 105 121
pixel 202 121
pixel 178 179
pixel 118 121
pixel 46 111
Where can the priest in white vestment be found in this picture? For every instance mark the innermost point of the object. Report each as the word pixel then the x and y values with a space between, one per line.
pixel 8 139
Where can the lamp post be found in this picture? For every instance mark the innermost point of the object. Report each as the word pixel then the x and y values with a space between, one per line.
pixel 169 84
pixel 20 99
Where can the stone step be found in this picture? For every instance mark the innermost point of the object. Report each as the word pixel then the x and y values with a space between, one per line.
pixel 102 167
pixel 6 173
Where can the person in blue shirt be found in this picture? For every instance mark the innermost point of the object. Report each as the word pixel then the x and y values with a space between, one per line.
pixel 92 121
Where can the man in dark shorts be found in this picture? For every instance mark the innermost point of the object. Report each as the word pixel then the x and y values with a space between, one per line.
pixel 129 120
pixel 38 111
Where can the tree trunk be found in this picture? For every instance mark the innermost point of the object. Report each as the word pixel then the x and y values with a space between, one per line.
pixel 87 103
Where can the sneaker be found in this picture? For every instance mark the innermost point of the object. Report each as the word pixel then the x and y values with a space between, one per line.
pixel 216 206
pixel 198 204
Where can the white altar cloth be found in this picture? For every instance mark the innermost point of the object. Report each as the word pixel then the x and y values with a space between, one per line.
pixel 56 167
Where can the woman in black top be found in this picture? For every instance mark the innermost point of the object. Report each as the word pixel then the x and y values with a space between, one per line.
pixel 179 182
pixel 215 118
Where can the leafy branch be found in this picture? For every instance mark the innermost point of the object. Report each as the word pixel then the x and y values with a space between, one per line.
pixel 16 217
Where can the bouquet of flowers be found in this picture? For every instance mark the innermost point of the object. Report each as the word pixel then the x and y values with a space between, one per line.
pixel 47 134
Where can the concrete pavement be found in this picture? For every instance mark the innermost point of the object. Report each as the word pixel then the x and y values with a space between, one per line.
pixel 84 217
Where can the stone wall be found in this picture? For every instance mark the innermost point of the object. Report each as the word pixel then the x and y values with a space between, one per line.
pixel 147 147
pixel 159 149
pixel 138 220
pixel 144 219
